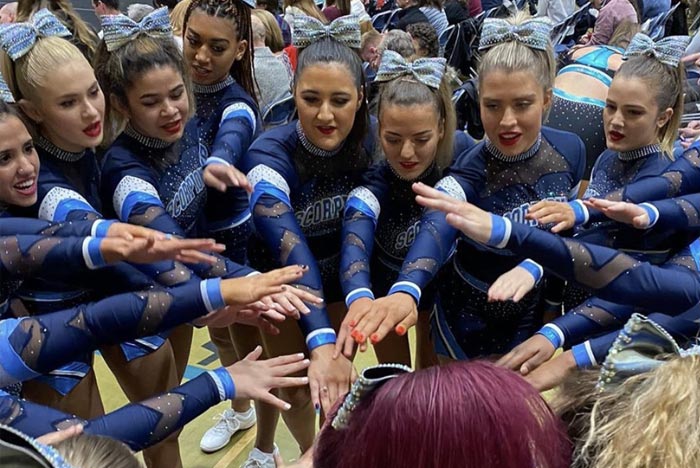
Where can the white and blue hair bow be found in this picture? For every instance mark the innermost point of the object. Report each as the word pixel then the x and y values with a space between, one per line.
pixel 534 33
pixel 640 347
pixel 428 71
pixel 5 93
pixel 345 30
pixel 119 30
pixel 668 50
pixel 18 38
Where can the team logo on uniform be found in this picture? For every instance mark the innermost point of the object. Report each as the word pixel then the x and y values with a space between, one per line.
pixel 517 215
pixel 320 211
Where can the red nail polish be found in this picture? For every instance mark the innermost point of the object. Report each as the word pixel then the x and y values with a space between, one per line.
pixel 374 338
pixel 353 323
pixel 360 338
pixel 400 330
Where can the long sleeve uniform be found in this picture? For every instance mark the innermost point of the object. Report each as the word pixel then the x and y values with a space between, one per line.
pixel 298 199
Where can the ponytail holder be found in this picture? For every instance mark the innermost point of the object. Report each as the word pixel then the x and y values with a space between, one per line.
pixel 369 381
pixel 345 30
pixel 5 94
pixel 119 30
pixel 668 50
pixel 534 33
pixel 428 71
pixel 18 38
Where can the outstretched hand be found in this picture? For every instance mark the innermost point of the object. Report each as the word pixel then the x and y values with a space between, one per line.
pixel 149 250
pixel 471 220
pixel 223 176
pixel 620 211
pixel 254 379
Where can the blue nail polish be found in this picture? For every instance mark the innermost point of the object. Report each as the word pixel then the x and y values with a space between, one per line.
pixel 317 407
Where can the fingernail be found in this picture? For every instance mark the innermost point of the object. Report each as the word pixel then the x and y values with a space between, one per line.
pixel 353 323
pixel 354 334
pixel 360 338
pixel 400 330
pixel 317 408
pixel 375 338
pixel 300 355
pixel 287 406
pixel 307 361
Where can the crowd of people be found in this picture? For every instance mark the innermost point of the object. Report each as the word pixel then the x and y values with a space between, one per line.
pixel 144 193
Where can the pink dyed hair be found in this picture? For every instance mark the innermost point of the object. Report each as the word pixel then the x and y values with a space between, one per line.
pixel 462 415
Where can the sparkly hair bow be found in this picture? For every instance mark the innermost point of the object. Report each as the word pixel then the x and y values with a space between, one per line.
pixel 5 93
pixel 119 30
pixel 369 380
pixel 345 30
pixel 668 50
pixel 534 33
pixel 18 38
pixel 638 349
pixel 428 71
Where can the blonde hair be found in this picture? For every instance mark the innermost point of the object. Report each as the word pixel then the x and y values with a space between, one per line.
pixel 34 69
pixel 407 91
pixel 666 83
pixel 514 56
pixel 90 451
pixel 83 35
pixel 273 33
pixel 177 17
pixel 649 420
pixel 308 7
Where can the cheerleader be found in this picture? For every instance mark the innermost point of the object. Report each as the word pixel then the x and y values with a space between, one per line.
pixel 301 174
pixel 611 274
pixel 381 219
pixel 641 118
pixel 519 162
pixel 218 52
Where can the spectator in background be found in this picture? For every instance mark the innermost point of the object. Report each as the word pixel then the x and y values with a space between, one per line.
pixel 357 8
pixel 165 3
pixel 336 8
pixel 611 15
pixel 556 10
pixel 8 13
pixel 425 41
pixel 271 7
pixel 106 7
pixel 177 20
pixel 411 13
pixel 433 10
pixel 457 11
pixel 369 45
pixel 294 8
pixel 273 38
pixel 270 73
pixel 136 11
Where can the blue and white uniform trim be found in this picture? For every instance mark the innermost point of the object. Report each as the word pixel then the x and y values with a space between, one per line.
pixel 130 192
pixel 320 337
pixel 59 202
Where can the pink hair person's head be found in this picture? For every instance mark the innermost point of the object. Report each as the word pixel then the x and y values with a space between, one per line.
pixel 462 415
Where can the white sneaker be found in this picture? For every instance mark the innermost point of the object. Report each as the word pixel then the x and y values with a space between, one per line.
pixel 229 422
pixel 260 459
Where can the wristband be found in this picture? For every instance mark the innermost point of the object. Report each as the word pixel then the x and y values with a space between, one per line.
pixel 652 212
pixel 320 337
pixel 358 293
pixel 583 355
pixel 580 212
pixel 407 287
pixel 92 254
pixel 100 227
pixel 533 268
pixel 552 336
pixel 500 231
pixel 224 383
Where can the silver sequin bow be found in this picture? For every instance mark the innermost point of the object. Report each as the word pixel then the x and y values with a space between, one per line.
pixel 120 30
pixel 369 380
pixel 534 33
pixel 5 93
pixel 668 50
pixel 428 71
pixel 345 30
pixel 18 38
pixel 640 347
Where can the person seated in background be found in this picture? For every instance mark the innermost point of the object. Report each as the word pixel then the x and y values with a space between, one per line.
pixel 425 40
pixel 410 13
pixel 610 16
pixel 556 10
pixel 137 11
pixel 270 73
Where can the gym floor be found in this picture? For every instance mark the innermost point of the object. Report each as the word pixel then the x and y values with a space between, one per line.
pixel 203 358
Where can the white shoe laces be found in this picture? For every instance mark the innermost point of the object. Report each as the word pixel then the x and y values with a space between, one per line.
pixel 225 424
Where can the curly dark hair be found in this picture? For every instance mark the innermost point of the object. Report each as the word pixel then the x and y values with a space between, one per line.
pixel 426 37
